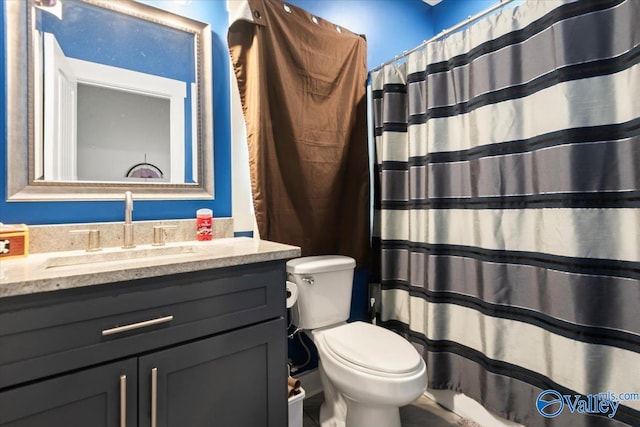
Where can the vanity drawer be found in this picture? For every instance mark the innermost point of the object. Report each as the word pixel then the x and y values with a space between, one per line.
pixel 50 333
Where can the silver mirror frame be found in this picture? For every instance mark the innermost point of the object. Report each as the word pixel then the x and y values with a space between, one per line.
pixel 21 185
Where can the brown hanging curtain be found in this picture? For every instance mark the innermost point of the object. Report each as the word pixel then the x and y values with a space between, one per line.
pixel 302 83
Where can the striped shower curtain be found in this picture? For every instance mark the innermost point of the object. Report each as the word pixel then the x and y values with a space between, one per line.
pixel 507 210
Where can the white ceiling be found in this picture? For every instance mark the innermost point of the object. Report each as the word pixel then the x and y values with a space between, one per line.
pixel 432 2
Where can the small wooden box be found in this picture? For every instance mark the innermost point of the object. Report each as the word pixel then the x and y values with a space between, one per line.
pixel 14 241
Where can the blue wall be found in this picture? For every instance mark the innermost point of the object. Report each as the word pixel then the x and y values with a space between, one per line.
pixel 3 121
pixel 451 12
pixel 390 26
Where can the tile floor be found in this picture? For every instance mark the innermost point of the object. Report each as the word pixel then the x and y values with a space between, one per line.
pixel 421 413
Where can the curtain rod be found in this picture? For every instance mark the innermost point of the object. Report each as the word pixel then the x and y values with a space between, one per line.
pixel 444 33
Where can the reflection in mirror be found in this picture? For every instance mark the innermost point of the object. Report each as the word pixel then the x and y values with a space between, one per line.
pixel 119 98
pixel 120 129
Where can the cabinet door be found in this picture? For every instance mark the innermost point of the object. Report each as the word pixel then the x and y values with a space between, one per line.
pixel 103 396
pixel 237 379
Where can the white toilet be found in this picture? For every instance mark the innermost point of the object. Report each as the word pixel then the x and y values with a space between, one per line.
pixel 367 372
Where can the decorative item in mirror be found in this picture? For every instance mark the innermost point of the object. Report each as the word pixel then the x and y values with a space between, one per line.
pixel 96 86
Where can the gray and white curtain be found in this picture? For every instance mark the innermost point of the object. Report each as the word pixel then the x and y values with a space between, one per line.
pixel 507 209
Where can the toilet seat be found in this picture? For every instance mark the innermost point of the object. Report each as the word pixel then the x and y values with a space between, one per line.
pixel 372 349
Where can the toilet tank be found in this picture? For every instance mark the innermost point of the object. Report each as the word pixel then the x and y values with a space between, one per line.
pixel 324 289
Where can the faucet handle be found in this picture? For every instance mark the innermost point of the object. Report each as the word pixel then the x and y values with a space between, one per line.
pixel 93 239
pixel 160 233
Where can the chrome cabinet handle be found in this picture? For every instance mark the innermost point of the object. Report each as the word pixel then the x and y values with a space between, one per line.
pixel 119 329
pixel 123 401
pixel 154 397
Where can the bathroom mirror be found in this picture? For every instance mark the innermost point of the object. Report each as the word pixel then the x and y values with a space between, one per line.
pixel 105 96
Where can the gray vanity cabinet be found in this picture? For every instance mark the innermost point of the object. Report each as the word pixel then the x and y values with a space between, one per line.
pixel 225 380
pixel 91 398
pixel 206 348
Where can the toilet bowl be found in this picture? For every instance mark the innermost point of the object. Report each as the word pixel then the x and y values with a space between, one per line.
pixel 374 370
pixel 367 372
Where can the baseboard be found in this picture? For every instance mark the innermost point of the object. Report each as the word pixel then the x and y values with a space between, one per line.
pixel 468 408
pixel 310 382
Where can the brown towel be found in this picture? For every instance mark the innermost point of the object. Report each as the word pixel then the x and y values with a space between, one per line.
pixel 302 84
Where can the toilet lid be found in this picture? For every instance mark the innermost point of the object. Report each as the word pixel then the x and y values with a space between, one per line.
pixel 373 347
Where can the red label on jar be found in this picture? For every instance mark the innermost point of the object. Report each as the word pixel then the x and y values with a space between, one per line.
pixel 204 228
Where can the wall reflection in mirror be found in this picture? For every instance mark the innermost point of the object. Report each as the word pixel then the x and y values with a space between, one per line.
pixel 118 92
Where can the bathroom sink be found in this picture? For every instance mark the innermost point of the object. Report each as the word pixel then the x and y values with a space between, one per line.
pixel 117 254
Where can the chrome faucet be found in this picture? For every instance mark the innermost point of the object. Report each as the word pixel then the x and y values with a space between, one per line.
pixel 128 223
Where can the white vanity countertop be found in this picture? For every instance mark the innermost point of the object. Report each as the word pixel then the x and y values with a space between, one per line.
pixel 38 272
